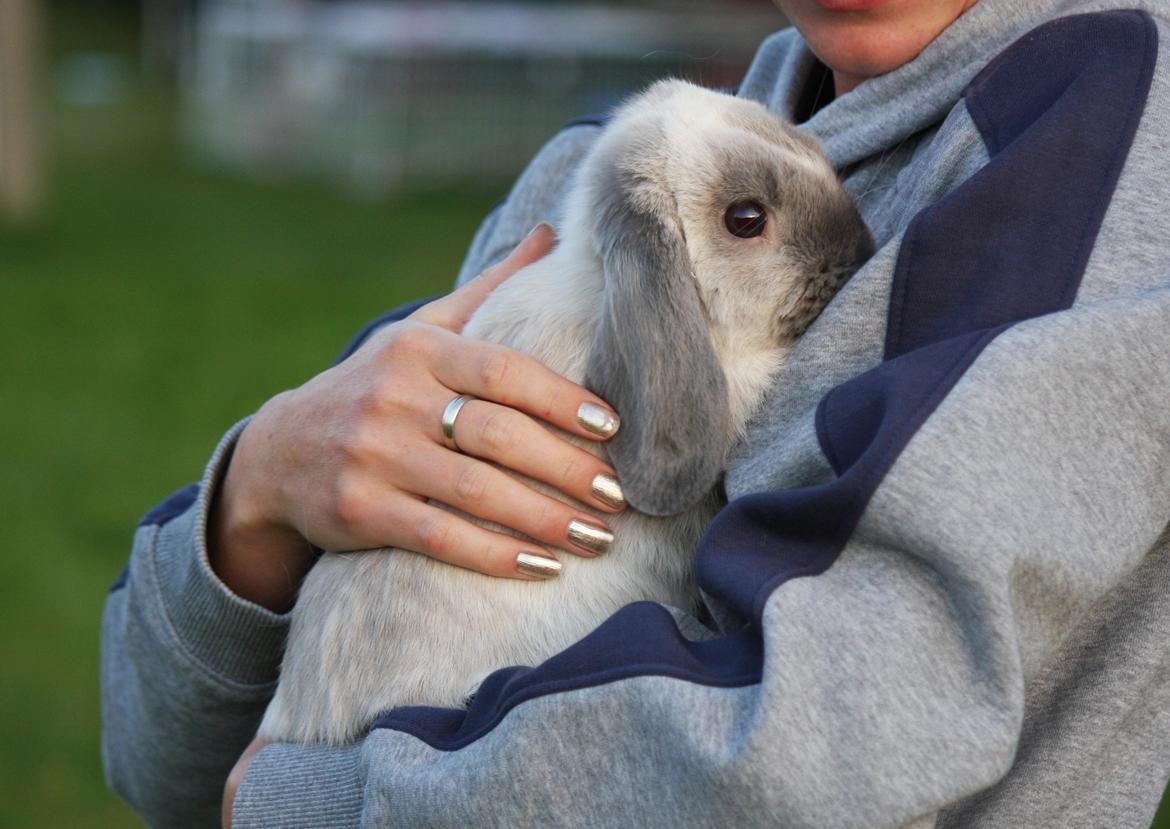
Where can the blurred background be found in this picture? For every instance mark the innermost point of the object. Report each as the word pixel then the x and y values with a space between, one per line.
pixel 200 201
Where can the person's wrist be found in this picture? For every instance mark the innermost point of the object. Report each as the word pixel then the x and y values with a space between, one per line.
pixel 256 556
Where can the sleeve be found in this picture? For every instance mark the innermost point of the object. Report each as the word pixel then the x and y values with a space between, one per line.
pixel 877 681
pixel 188 667
pixel 538 196
pixel 972 505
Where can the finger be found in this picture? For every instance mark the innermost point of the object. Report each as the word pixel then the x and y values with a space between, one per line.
pixel 454 310
pixel 443 535
pixel 515 441
pixel 486 492
pixel 513 378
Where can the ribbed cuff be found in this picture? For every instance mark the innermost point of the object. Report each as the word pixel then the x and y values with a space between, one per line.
pixel 296 786
pixel 237 639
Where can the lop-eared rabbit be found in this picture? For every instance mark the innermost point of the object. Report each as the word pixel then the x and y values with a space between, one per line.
pixel 701 236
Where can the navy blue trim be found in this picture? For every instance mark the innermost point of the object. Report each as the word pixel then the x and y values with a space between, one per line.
pixel 863 426
pixel 1057 113
pixel 1038 208
pixel 503 200
pixel 950 301
pixel 616 650
pixel 367 330
pixel 122 580
pixel 181 500
pixel 175 505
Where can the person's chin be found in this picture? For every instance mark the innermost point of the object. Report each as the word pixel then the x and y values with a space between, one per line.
pixel 864 38
pixel 864 51
pixel 850 5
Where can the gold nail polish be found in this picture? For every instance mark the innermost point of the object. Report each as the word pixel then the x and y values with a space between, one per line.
pixel 608 491
pixel 598 419
pixel 536 565
pixel 592 537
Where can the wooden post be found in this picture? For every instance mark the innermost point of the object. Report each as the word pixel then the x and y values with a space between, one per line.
pixel 21 147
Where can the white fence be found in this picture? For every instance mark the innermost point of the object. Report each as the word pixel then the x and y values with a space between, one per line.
pixel 377 96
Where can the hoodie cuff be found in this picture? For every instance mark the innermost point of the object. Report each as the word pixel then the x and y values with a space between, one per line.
pixel 234 638
pixel 295 786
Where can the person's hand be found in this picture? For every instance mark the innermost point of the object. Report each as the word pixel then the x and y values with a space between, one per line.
pixel 348 460
pixel 236 777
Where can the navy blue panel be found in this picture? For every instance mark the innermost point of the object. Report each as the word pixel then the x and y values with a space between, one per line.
pixel 760 541
pixel 400 313
pixel 639 640
pixel 1057 112
pixel 122 580
pixel 174 506
pixel 852 416
pixel 1007 245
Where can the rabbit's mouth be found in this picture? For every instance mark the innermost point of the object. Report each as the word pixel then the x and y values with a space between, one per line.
pixel 806 304
pixel 797 314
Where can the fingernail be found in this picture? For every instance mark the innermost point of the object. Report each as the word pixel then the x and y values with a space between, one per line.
pixel 592 537
pixel 598 419
pixel 536 565
pixel 608 491
pixel 539 225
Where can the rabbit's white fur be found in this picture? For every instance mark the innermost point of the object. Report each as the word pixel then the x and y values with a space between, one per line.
pixel 376 630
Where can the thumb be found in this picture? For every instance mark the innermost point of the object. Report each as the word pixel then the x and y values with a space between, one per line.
pixel 454 310
pixel 236 777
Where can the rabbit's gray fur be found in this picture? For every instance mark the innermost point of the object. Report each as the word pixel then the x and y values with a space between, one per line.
pixel 649 301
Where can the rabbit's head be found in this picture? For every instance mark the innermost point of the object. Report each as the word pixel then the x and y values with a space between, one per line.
pixel 722 233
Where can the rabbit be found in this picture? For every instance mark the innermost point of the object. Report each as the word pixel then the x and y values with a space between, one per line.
pixel 701 236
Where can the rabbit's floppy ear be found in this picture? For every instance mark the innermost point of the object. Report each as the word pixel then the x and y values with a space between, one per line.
pixel 653 360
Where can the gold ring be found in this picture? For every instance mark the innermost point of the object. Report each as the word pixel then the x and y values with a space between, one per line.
pixel 448 421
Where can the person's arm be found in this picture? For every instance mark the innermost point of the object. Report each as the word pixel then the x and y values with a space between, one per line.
pixel 933 532
pixel 187 666
pixel 193 630
pixel 188 663
pixel 885 688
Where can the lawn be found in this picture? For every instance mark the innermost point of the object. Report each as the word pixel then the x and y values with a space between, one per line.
pixel 152 307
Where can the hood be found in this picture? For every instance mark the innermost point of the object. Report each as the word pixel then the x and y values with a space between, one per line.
pixel 884 110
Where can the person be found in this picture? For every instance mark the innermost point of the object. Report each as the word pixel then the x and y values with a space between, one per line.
pixel 937 596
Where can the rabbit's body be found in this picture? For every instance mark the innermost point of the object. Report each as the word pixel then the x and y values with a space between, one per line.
pixel 376 630
pixel 638 302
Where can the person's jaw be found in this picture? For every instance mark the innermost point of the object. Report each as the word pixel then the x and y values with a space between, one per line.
pixel 860 39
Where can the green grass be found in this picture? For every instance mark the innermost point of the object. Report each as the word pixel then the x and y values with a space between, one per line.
pixel 152 307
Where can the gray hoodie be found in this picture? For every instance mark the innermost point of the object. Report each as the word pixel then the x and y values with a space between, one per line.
pixel 941 591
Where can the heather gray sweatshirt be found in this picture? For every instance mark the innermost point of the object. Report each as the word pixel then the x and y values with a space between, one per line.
pixel 941 589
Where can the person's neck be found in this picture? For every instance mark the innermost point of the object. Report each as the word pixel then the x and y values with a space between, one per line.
pixel 817 93
pixel 843 83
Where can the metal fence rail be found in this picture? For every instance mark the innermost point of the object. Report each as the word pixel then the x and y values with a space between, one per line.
pixel 377 96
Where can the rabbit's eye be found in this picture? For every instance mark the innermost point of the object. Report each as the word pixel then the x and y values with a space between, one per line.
pixel 745 219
